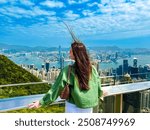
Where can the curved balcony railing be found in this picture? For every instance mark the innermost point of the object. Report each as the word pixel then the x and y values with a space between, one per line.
pixel 113 88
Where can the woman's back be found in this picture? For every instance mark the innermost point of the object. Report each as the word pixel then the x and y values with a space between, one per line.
pixel 85 98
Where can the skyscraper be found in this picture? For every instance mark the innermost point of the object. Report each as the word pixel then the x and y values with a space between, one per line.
pixel 61 59
pixel 125 66
pixel 43 66
pixel 116 55
pixel 47 65
pixel 135 62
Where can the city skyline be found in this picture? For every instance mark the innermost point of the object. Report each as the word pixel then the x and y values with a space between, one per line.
pixel 122 23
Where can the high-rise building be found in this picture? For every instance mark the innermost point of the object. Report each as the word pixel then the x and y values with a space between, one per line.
pixel 48 75
pixel 53 77
pixel 43 66
pixel 125 66
pixel 62 62
pixel 43 73
pixel 119 70
pixel 135 62
pixel 61 59
pixel 47 66
pixel 32 66
pixel 134 70
pixel 116 55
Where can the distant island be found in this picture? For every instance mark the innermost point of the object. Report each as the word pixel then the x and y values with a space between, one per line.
pixel 6 48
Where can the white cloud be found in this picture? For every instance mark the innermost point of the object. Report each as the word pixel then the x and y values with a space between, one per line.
pixel 70 15
pixel 26 2
pixel 87 13
pixel 123 18
pixel 71 1
pixel 19 12
pixel 53 4
pixel 82 1
pixel 37 11
pixel 121 35
pixel 116 19
pixel 13 11
pixel 93 4
pixel 77 2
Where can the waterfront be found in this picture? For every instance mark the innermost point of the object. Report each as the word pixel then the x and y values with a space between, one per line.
pixel 142 60
pixel 28 60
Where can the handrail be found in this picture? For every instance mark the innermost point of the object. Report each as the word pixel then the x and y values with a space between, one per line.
pixel 22 84
pixel 25 106
pixel 126 88
pixel 51 82
pixel 111 90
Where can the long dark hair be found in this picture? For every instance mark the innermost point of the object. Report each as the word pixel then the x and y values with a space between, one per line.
pixel 82 64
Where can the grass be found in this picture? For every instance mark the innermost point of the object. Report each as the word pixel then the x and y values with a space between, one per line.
pixel 60 108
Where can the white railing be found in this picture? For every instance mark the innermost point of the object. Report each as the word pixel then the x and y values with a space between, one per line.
pixel 111 90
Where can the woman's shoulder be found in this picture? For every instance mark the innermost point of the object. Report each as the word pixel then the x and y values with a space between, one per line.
pixel 66 68
pixel 94 70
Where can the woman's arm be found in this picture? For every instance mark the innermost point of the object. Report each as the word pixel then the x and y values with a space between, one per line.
pixel 54 91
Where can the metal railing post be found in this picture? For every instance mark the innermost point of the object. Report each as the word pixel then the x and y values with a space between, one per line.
pixel 118 103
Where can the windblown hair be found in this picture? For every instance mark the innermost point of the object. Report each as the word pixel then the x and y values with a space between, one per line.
pixel 82 64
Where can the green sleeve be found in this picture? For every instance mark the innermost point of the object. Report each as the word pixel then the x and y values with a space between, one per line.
pixel 56 88
pixel 100 92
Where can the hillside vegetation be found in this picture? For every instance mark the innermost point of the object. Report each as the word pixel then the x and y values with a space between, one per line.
pixel 10 73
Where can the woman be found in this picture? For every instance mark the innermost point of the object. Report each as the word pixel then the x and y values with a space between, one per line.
pixel 84 83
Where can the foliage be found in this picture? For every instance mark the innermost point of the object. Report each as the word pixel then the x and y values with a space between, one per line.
pixel 46 109
pixel 10 73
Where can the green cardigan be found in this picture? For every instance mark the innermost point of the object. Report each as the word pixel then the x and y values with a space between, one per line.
pixel 81 98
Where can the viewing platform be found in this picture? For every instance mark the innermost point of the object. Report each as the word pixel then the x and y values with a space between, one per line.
pixel 113 102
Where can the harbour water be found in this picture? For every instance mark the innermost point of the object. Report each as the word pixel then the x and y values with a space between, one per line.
pixel 28 60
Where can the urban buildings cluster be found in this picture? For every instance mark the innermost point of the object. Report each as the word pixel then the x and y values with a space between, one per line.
pixel 45 74
pixel 134 71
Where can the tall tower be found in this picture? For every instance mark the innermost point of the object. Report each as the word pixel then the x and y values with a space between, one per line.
pixel 116 55
pixel 125 66
pixel 61 59
pixel 47 66
pixel 135 62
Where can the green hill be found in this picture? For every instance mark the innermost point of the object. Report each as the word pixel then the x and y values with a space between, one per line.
pixel 10 73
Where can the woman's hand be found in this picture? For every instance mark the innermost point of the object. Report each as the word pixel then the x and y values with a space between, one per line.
pixel 34 105
pixel 105 93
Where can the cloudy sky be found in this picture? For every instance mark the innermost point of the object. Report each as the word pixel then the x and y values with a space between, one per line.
pixel 125 23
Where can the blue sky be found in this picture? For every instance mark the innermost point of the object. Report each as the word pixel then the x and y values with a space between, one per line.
pixel 124 23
